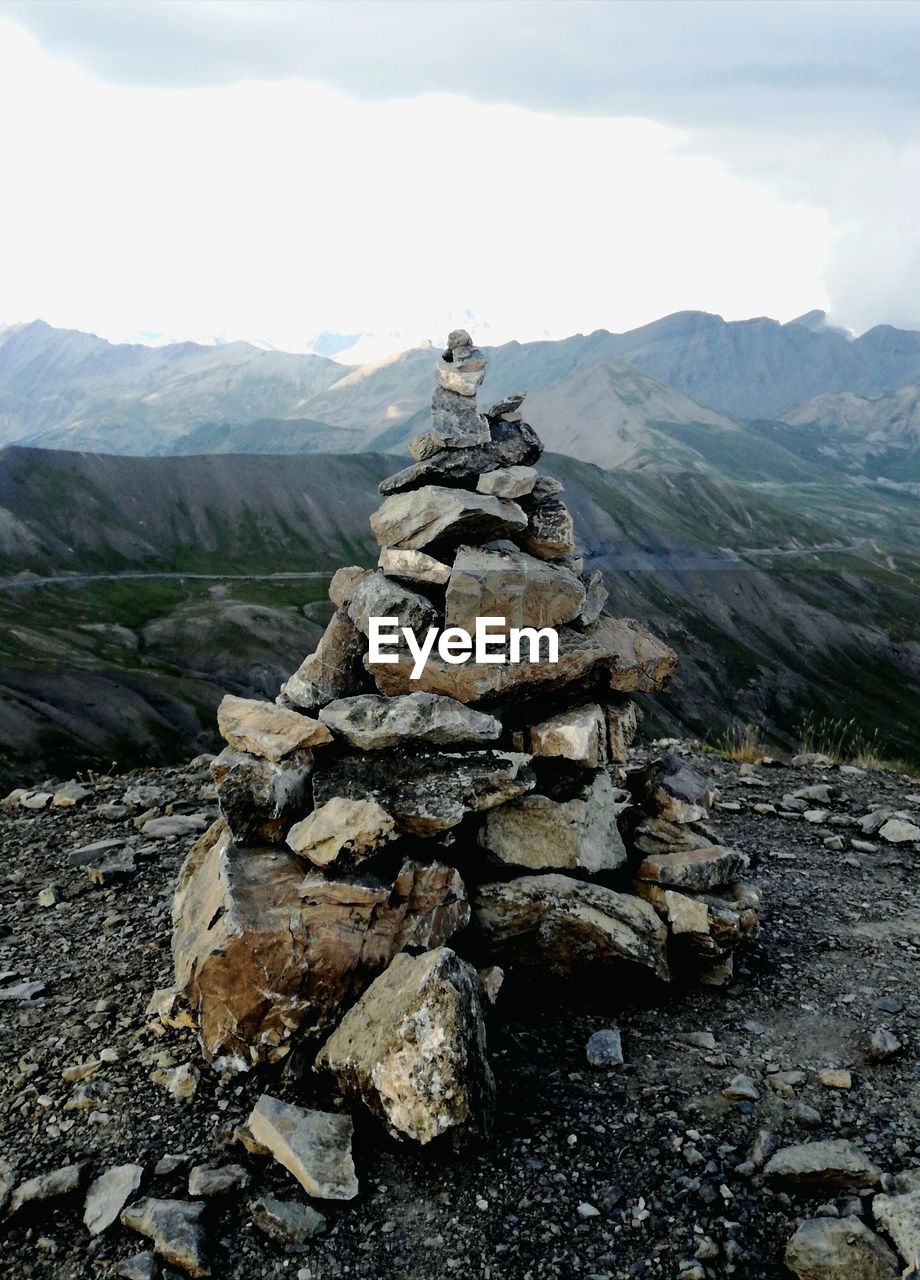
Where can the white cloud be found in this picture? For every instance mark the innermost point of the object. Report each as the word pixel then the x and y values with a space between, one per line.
pixel 279 209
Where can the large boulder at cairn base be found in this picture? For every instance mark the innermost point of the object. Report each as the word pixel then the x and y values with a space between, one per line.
pixel 261 954
pixel 539 833
pixel 371 722
pixel 428 793
pixel 413 1048
pixel 618 652
pixel 335 670
pixel 560 926
pixel 414 520
pixel 512 585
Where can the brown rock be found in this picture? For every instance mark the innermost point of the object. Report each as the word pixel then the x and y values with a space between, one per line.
pixel 539 833
pixel 415 566
pixel 175 1228
pixel 526 592
pixel 265 730
pixel 549 531
pixel 622 724
pixel 344 584
pixel 344 831
pixel 260 953
pixel 413 1048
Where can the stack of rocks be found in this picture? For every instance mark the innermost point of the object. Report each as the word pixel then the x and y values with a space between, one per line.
pixel 376 811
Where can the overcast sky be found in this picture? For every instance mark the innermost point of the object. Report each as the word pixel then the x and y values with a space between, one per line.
pixel 279 170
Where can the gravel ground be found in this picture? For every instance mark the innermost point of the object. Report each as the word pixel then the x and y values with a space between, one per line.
pixel 641 1170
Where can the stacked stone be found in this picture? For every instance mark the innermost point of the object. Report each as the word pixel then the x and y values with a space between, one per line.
pixel 369 818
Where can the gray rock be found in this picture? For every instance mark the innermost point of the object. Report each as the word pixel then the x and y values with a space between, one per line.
pixel 64 1181
pixel 377 596
pixel 883 1045
pixel 605 1048
pixel 370 722
pixel 286 1221
pixel 430 792
pixel 314 1146
pixel 897 831
pixel 549 531
pixel 579 734
pixel 899 1217
pixel 839 1249
pixel 834 1163
pixel 696 869
pixel 413 1049
pixel 72 793
pixel 420 517
pixel 510 444
pixel 741 1088
pixel 344 584
pixel 175 1228
pixel 141 1266
pixel 558 925
pixel 207 1180
pixel 260 799
pixel 335 670
pixel 595 599
pixel 108 1195
pixel 172 826
pixel 671 789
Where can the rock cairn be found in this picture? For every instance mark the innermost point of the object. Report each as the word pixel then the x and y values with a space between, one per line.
pixel 370 819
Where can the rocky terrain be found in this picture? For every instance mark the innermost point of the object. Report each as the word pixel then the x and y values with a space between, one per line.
pixel 653 1167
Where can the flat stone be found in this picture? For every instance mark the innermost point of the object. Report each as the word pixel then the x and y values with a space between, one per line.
pixel 510 444
pixel 430 792
pixel 261 953
pixel 540 834
pixel 558 925
pixel 415 566
pixel 463 381
pixel 835 1078
pixel 36 799
pixel 286 1221
pixel 266 730
pixel 508 482
pixel 108 1194
pixel 86 854
pixel 333 671
pixel 207 1180
pixel 526 592
pixel 699 869
pixel 839 1249
pixel 64 1181
pixel 378 596
pixel 173 826
pixel 899 1217
pixel 549 531
pixel 433 513
pixel 413 1049
pixel 260 799
pixel 314 1146
pixel 897 831
pixel 741 1088
pixel 684 913
pixel 175 1228
pixel 605 1048
pixel 579 734
pixel 342 831
pixel 371 722
pixel 619 648
pixel 72 793
pixel 834 1163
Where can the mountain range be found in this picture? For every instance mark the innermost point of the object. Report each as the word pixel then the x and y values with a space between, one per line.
pixel 618 400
